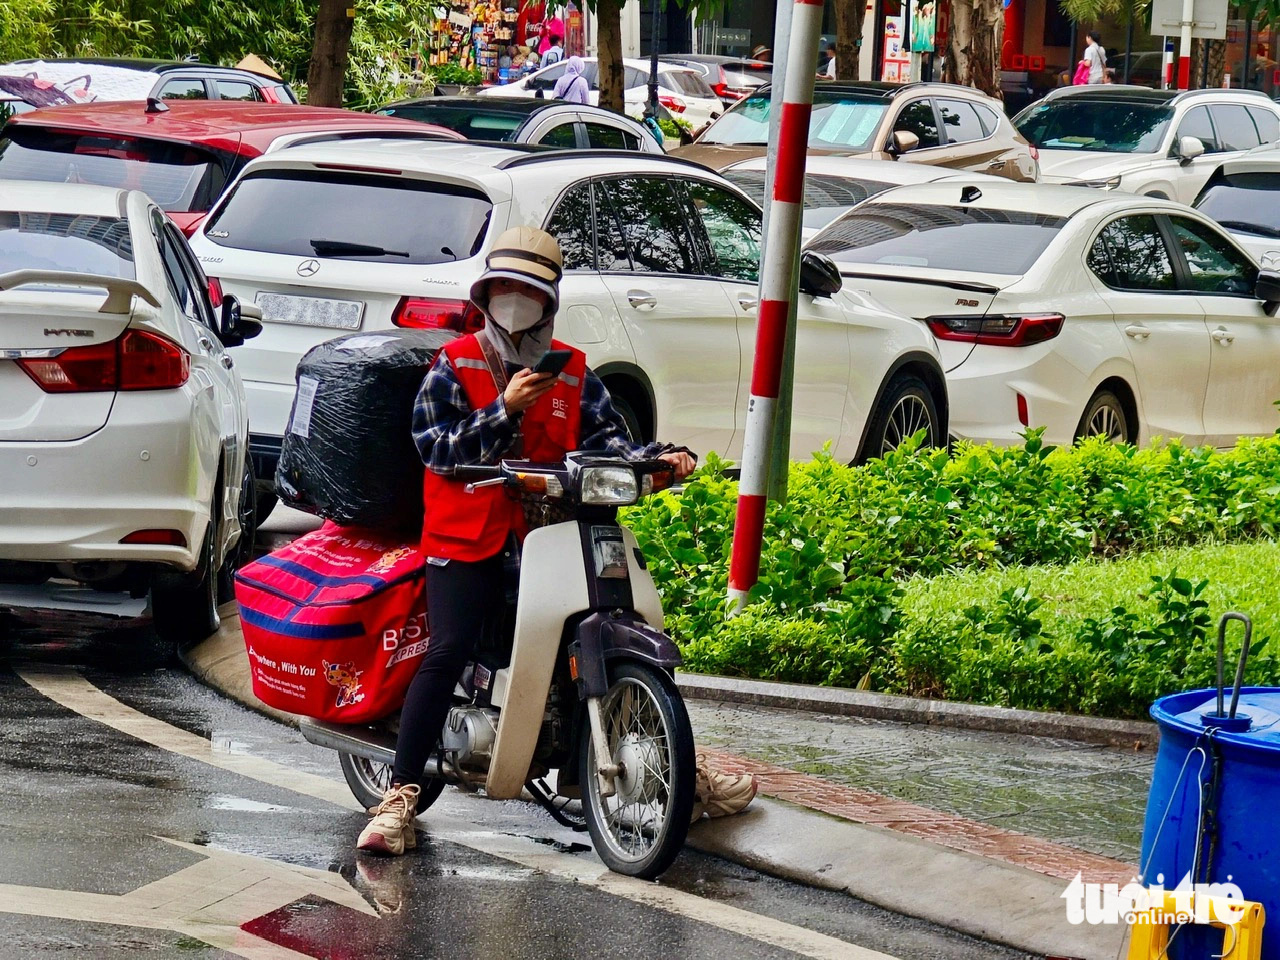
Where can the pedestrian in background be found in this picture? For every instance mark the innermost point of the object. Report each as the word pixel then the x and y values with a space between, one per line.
pixel 555 52
pixel 829 72
pixel 573 86
pixel 1096 57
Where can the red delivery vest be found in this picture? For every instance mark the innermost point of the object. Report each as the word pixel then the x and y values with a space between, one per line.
pixel 458 525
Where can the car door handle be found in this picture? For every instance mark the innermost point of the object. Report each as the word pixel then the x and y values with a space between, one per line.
pixel 227 362
pixel 641 299
pixel 747 302
pixel 1137 331
pixel 995 164
pixel 1222 336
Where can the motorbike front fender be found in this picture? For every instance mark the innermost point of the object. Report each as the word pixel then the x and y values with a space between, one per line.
pixel 602 637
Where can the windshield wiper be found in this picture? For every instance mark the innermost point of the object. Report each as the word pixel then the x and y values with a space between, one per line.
pixel 1254 228
pixel 344 248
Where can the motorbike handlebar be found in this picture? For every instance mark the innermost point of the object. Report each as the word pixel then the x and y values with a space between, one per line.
pixel 472 474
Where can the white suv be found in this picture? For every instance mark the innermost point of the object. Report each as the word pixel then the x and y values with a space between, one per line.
pixel 123 424
pixel 659 290
pixel 1161 143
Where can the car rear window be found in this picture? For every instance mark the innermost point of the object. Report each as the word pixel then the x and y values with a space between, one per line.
pixel 472 122
pixel 1103 126
pixel 178 177
pixel 940 238
pixel 31 240
pixel 743 75
pixel 311 213
pixel 838 122
pixel 689 83
pixel 825 197
pixel 1244 202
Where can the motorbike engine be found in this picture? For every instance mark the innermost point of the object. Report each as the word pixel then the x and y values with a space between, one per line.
pixel 469 733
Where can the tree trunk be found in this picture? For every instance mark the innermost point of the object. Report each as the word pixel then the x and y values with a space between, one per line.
pixel 973 48
pixel 609 56
pixel 849 17
pixel 329 53
pixel 1217 63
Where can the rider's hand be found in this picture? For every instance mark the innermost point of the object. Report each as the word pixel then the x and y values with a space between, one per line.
pixel 683 462
pixel 525 389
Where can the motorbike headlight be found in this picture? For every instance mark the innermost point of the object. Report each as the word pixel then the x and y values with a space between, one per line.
pixel 609 486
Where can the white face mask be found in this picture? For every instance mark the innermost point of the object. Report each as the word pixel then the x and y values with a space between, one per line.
pixel 515 312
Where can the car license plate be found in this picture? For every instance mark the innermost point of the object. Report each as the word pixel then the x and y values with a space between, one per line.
pixel 311 311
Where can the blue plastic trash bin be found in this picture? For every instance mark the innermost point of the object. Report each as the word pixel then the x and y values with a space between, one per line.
pixel 1247 851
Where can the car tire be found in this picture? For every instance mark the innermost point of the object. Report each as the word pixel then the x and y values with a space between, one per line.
pixel 906 407
pixel 265 502
pixel 184 609
pixel 1105 416
pixel 242 552
pixel 629 416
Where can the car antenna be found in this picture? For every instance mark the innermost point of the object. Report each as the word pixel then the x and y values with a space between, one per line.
pixel 970 194
pixel 156 105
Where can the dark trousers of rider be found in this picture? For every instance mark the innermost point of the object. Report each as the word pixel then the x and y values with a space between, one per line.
pixel 463 599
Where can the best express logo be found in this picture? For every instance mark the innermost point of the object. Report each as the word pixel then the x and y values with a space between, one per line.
pixel 406 642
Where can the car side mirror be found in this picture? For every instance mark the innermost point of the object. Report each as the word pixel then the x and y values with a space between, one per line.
pixel 1188 148
pixel 1267 289
pixel 820 277
pixel 902 142
pixel 239 322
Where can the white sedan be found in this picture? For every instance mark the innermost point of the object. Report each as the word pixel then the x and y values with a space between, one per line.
pixel 1243 195
pixel 122 418
pixel 684 92
pixel 1081 311
pixel 832 185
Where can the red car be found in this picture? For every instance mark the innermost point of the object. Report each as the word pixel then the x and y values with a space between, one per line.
pixel 182 153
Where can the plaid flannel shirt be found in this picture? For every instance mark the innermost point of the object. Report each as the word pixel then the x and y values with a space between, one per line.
pixel 449 433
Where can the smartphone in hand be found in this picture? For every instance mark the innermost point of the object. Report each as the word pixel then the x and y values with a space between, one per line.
pixel 552 362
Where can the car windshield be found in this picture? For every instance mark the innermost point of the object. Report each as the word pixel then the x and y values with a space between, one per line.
pixel 352 217
pixel 474 123
pixel 838 122
pixel 31 240
pixel 1101 126
pixel 180 178
pixel 938 237
pixel 688 82
pixel 825 197
pixel 1244 202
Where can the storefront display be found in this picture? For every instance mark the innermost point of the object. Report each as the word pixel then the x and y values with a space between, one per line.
pixel 501 39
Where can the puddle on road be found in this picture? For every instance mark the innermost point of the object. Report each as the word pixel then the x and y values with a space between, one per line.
pixel 243 805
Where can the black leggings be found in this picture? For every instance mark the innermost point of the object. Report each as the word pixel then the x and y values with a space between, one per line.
pixel 463 600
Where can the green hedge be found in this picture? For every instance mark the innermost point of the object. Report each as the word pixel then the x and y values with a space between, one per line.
pixel 831 608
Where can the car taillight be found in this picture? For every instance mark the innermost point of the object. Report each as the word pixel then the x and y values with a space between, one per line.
pixel 215 291
pixel 135 361
pixel 269 95
pixel 721 89
pixel 998 330
pixel 674 104
pixel 421 312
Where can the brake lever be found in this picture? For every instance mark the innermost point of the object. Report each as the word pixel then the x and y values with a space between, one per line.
pixel 481 484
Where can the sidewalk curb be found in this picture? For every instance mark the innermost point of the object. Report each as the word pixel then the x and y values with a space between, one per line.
pixel 221 662
pixel 975 895
pixel 841 701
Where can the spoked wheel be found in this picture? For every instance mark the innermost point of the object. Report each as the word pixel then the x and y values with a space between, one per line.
pixel 369 781
pixel 564 810
pixel 639 830
pixel 906 408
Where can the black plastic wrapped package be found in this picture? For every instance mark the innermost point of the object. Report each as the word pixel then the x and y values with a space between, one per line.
pixel 348 452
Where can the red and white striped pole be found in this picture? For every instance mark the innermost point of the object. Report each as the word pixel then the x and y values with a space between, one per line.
pixel 776 292
pixel 1184 44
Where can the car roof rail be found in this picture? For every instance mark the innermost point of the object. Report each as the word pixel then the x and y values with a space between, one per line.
pixel 331 136
pixel 1193 94
pixel 555 153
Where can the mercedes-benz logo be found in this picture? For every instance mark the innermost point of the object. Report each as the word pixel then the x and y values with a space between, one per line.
pixel 308 268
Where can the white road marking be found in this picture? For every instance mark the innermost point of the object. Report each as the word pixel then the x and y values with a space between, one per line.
pixel 74 692
pixel 208 900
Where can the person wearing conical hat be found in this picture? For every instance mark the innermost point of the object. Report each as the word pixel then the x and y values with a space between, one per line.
pixel 481 402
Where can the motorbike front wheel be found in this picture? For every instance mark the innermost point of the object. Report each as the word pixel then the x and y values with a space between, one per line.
pixel 640 829
pixel 369 781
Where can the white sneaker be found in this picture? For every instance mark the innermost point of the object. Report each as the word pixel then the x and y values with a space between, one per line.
pixel 391 830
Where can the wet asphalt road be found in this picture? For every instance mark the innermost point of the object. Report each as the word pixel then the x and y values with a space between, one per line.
pixel 94 823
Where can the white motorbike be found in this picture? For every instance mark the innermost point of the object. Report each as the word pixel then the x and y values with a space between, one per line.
pixel 579 680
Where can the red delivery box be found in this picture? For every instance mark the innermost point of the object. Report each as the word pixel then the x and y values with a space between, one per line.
pixel 335 623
